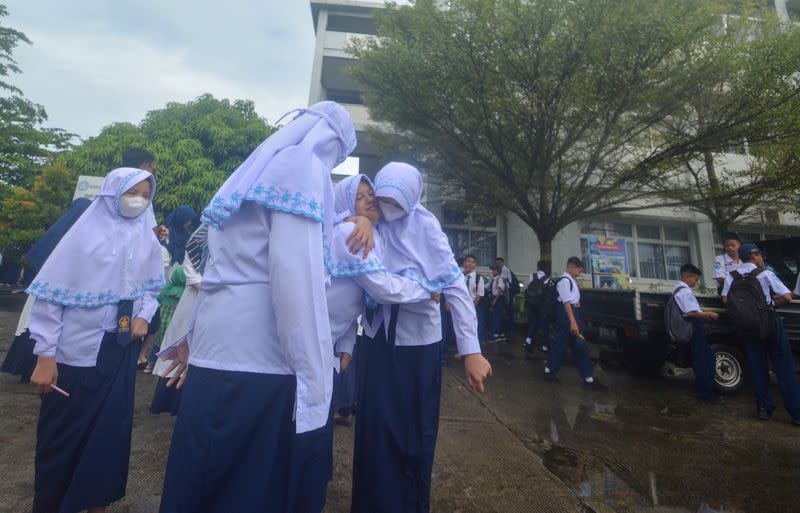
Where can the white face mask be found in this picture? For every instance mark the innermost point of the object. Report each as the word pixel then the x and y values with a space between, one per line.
pixel 132 206
pixel 390 211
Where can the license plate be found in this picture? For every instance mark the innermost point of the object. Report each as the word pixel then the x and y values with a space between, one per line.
pixel 608 333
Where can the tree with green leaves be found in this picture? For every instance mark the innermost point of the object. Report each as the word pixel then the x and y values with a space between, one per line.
pixel 24 143
pixel 26 214
pixel 556 111
pixel 756 173
pixel 197 146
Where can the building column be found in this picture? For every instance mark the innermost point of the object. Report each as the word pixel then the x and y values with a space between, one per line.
pixel 317 94
pixel 706 253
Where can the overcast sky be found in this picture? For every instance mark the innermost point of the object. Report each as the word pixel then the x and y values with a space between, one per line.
pixel 94 62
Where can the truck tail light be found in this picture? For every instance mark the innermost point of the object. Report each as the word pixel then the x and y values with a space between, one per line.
pixel 631 333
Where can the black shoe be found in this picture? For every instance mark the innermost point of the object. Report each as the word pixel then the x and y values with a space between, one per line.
pixel 796 422
pixel 763 414
pixel 596 386
pixel 549 377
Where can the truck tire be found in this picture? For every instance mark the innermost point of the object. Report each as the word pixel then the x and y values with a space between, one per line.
pixel 729 369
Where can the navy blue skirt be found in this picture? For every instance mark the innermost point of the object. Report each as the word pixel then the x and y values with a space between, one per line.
pixel 165 399
pixel 344 386
pixel 232 445
pixel 311 469
pixel 20 360
pixel 396 426
pixel 83 442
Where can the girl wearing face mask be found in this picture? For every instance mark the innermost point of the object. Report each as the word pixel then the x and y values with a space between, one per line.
pixel 95 296
pixel 398 395
pixel 353 280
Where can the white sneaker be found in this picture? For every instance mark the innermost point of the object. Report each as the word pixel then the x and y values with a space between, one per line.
pixel 528 340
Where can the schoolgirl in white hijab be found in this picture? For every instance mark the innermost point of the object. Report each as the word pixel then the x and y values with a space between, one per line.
pixel 95 296
pixel 352 277
pixel 398 401
pixel 260 349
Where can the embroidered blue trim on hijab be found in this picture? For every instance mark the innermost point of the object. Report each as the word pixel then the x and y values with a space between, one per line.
pixel 87 299
pixel 220 209
pixel 438 283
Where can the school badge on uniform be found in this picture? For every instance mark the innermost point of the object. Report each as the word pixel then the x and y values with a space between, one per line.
pixel 124 313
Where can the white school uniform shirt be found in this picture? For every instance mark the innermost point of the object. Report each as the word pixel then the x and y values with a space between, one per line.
pixel 724 265
pixel 797 286
pixel 420 324
pixel 505 273
pixel 686 301
pixel 769 282
pixel 73 335
pixel 567 294
pixel 475 285
pixel 346 301
pixel 262 306
pixel 498 285
pixel 25 316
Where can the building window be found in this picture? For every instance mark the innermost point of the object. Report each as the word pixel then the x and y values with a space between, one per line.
pixel 341 96
pixel 466 241
pixel 655 251
pixel 352 24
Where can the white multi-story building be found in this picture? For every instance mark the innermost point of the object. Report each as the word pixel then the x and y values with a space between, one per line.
pixel 658 240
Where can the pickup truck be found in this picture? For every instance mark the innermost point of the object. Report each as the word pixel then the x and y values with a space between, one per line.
pixel 628 326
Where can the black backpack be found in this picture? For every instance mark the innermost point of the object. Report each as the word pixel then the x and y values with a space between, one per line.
pixel 535 291
pixel 513 285
pixel 679 328
pixel 550 301
pixel 748 307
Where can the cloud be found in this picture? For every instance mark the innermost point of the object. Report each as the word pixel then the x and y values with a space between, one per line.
pixel 92 65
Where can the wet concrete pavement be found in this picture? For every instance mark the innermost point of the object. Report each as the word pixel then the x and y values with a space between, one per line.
pixel 648 445
pixel 645 446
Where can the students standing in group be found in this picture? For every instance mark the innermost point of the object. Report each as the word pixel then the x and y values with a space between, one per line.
pixel 95 296
pixel 538 306
pixel 260 351
pixel 499 305
pixel 20 360
pixel 729 260
pixel 767 341
pixel 173 251
pixel 398 400
pixel 568 332
pixel 511 290
pixel 703 358
pixel 475 287
pixel 167 399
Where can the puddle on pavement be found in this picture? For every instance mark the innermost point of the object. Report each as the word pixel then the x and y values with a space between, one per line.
pixel 599 481
pixel 595 482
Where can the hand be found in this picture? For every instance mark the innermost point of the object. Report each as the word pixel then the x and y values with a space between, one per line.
pixel 180 364
pixel 478 370
pixel 344 361
pixel 361 236
pixel 162 232
pixel 446 305
pixel 139 328
pixel 45 374
pixel 573 328
pixel 712 316
pixel 436 297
